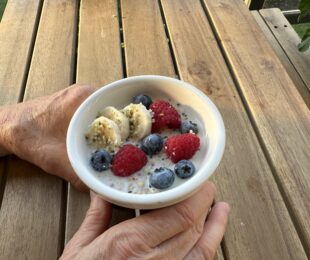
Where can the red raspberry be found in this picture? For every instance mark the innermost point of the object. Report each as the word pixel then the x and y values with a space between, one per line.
pixel 165 116
pixel 128 160
pixel 182 146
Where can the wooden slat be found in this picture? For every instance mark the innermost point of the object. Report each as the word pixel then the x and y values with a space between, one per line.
pixel 281 117
pixel 288 39
pixel 154 49
pixel 31 219
pixel 299 83
pixel 243 178
pixel 99 63
pixel 17 32
pixel 52 65
pixel 99 53
pixel 146 47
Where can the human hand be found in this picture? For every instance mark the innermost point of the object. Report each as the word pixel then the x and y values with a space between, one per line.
pixel 36 130
pixel 176 232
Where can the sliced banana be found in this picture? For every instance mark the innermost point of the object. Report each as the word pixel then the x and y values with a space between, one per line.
pixel 140 120
pixel 104 133
pixel 119 118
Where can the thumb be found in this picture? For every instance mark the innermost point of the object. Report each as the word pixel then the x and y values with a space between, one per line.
pixel 95 223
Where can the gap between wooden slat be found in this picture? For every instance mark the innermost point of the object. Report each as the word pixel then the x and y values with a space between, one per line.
pixel 121 37
pixel 175 66
pixel 291 212
pixel 24 82
pixel 3 176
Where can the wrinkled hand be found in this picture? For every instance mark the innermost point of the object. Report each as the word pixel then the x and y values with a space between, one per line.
pixel 36 130
pixel 176 232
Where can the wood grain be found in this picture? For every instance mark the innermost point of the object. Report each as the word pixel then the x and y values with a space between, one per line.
pixel 146 48
pixel 288 39
pixel 299 83
pixel 99 52
pixel 54 51
pixel 99 62
pixel 281 118
pixel 32 212
pixel 17 33
pixel 243 178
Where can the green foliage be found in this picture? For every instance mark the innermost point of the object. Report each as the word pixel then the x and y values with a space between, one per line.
pixel 305 41
pixel 2 6
pixel 304 7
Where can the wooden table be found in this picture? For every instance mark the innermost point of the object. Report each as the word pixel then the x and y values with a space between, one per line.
pixel 215 45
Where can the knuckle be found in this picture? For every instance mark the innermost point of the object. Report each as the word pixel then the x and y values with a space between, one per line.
pixel 95 214
pixel 186 214
pixel 84 90
pixel 129 243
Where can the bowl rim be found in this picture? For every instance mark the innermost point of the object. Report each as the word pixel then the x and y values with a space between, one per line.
pixel 120 197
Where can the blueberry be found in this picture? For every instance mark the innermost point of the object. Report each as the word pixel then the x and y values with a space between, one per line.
pixel 100 160
pixel 187 126
pixel 162 178
pixel 152 144
pixel 184 169
pixel 144 99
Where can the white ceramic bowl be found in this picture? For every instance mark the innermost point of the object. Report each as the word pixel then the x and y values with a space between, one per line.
pixel 119 94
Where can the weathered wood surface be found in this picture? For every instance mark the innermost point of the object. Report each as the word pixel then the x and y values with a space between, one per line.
pixel 17 34
pixel 280 116
pixel 263 174
pixel 244 172
pixel 32 211
pixel 286 62
pixel 288 39
pixel 146 48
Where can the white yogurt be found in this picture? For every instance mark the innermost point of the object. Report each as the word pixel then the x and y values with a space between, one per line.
pixel 138 182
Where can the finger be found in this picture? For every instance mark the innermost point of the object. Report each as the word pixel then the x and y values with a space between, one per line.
pixel 179 245
pixel 213 233
pixel 95 223
pixel 159 225
pixel 75 95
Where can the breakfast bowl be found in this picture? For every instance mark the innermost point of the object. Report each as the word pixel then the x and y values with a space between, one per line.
pixel 193 103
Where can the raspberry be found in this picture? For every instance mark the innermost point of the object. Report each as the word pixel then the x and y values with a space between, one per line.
pixel 165 116
pixel 182 147
pixel 128 160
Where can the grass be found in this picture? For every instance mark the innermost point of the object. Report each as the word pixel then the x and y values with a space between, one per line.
pixel 2 6
pixel 301 28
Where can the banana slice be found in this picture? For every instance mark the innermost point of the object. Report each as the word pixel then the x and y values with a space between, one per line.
pixel 104 133
pixel 140 120
pixel 119 118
